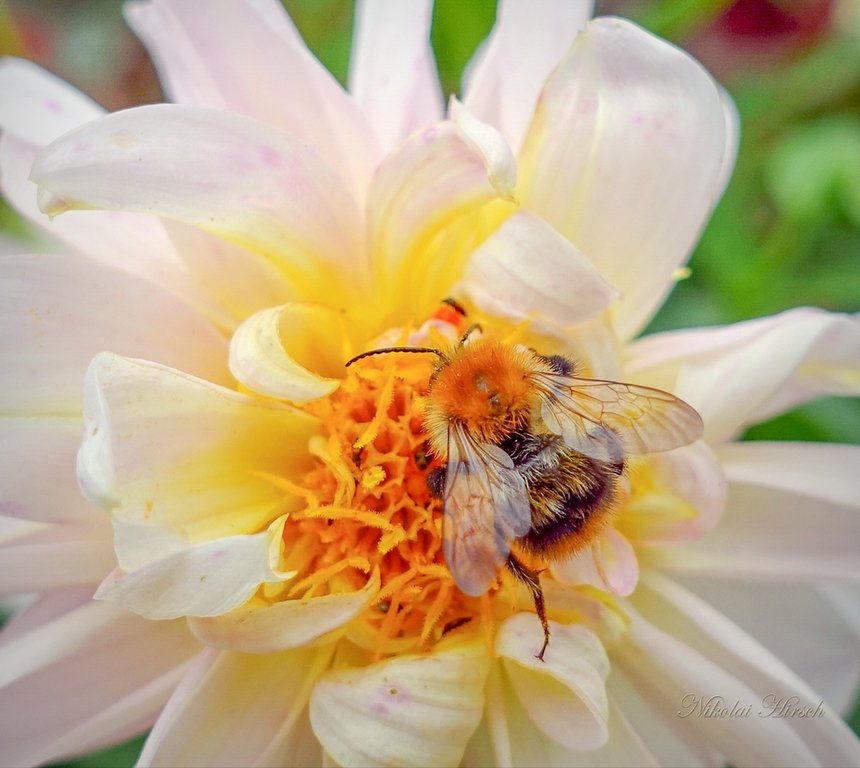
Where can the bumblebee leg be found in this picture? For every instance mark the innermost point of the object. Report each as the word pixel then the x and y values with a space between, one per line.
pixel 531 579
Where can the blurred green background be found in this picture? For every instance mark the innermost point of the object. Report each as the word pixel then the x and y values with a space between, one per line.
pixel 787 232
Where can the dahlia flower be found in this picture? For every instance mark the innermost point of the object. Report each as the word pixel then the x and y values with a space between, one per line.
pixel 254 518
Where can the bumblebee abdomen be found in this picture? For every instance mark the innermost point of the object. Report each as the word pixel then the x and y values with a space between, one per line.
pixel 572 496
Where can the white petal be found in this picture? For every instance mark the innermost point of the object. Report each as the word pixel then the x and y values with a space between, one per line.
pixel 37 471
pixel 716 637
pixel 433 179
pixel 120 678
pixel 624 157
pixel 203 580
pixel 819 470
pixel 416 710
pixel 264 628
pixel 37 106
pixel 165 449
pixel 206 60
pixel 783 519
pixel 58 556
pixel 242 180
pixel 525 269
pixel 527 42
pixel 281 351
pixel 678 678
pixel 392 73
pixel 564 694
pixel 800 626
pixel 739 374
pixel 665 734
pixel 230 709
pixel 57 312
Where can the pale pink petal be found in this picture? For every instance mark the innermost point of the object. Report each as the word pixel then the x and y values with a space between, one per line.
pixel 392 73
pixel 246 56
pixel 801 626
pixel 526 270
pixel 45 608
pixel 57 312
pixel 678 678
pixel 678 495
pixel 508 72
pixel 59 556
pixel 37 466
pixel 609 564
pixel 563 693
pixel 121 677
pixel 432 179
pixel 37 106
pixel 716 637
pixel 247 182
pixel 740 374
pixel 35 109
pixel 791 514
pixel 414 710
pixel 258 627
pixel 624 157
pixel 293 352
pixel 233 709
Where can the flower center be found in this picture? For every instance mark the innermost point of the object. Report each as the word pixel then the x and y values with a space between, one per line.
pixel 367 508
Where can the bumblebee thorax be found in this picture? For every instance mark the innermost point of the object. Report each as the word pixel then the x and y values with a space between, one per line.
pixel 485 387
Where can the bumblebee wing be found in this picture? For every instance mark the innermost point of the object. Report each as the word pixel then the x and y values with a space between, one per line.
pixel 486 506
pixel 598 418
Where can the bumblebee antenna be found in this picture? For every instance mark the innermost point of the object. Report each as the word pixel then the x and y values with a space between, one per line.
pixel 386 350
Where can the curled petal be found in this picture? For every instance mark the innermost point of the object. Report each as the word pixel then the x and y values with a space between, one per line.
pixel 743 373
pixel 528 40
pixel 434 178
pixel 414 710
pixel 166 450
pixel 242 180
pixel 525 270
pixel 625 158
pixel 564 694
pixel 205 61
pixel 265 628
pixel 392 74
pixel 278 351
pixel 202 580
pixel 609 564
pixel 489 145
